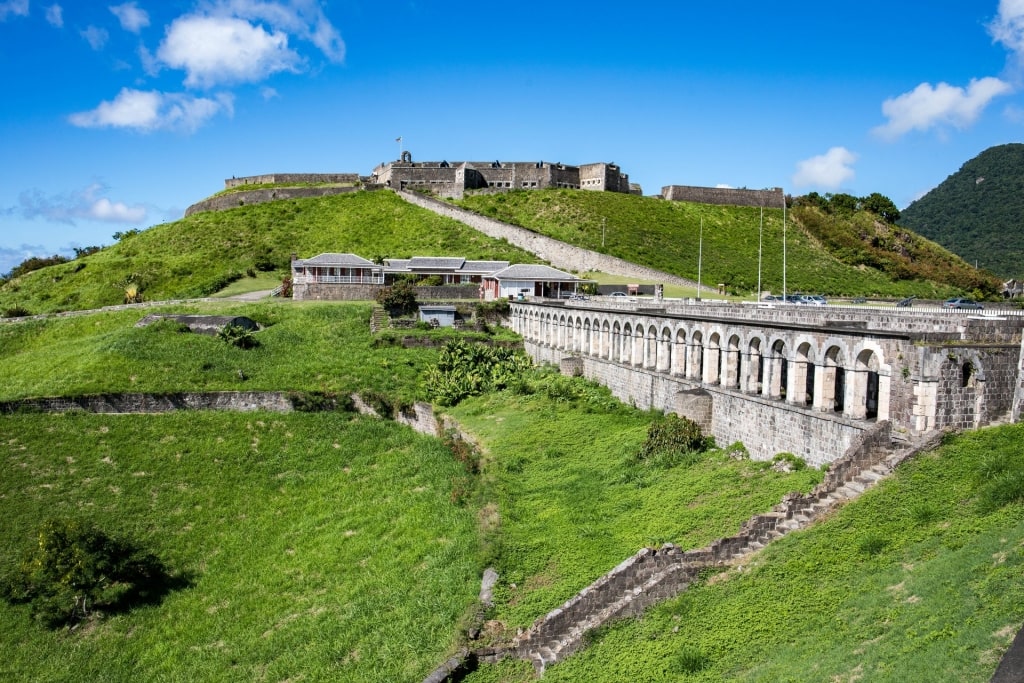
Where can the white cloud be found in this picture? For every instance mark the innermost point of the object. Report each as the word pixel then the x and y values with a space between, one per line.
pixel 1008 26
pixel 269 93
pixel 724 186
pixel 131 17
pixel 829 170
pixel 216 50
pixel 96 37
pixel 55 16
pixel 18 8
pixel 304 19
pixel 86 204
pixel 151 110
pixel 943 105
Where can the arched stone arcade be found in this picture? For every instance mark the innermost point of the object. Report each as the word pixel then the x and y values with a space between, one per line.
pixel 840 375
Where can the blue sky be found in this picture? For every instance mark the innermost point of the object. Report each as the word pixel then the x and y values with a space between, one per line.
pixel 119 115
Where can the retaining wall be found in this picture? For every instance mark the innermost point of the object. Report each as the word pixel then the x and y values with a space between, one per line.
pixel 724 196
pixel 241 401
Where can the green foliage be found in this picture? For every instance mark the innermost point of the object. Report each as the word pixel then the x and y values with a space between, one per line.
pixel 977 211
pixel 280 524
pixel 673 440
pixel 912 581
pixel 34 263
pixel 793 462
pixel 190 257
pixel 881 206
pixel 16 312
pixel 465 369
pixel 1000 479
pixel 238 336
pixel 666 236
pixel 74 570
pixel 399 298
pixel 319 401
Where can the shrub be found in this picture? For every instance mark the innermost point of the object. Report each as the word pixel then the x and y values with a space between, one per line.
pixel 238 336
pixel 286 287
pixel 75 570
pixel 671 439
pixel 16 312
pixel 398 298
pixel 465 369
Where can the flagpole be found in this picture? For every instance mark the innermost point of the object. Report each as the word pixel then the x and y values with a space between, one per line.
pixel 784 246
pixel 700 255
pixel 760 242
pixel 399 141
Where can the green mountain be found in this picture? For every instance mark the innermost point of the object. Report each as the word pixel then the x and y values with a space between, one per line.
pixel 978 211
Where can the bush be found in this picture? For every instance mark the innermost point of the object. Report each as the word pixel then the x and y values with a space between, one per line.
pixel 17 312
pixel 465 369
pixel 671 440
pixel 75 571
pixel 238 336
pixel 398 298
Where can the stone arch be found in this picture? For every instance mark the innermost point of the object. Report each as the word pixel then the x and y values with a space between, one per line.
pixel 587 337
pixel 664 360
pixel 777 371
pixel 696 356
pixel 802 371
pixel 406 157
pixel 753 378
pixel 577 345
pixel 832 395
pixel 651 348
pixel 678 366
pixel 713 359
pixel 626 351
pixel 862 390
pixel 616 350
pixel 732 374
pixel 605 351
pixel 636 347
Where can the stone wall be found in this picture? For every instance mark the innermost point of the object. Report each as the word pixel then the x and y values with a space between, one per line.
pixel 558 254
pixel 772 198
pixel 233 200
pixel 292 178
pixel 241 401
pixel 766 427
pixel 324 292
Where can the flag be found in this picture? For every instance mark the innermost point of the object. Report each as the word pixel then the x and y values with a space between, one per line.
pixel 398 139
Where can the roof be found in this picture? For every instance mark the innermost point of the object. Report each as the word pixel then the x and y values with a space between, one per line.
pixel 337 260
pixel 442 264
pixel 534 272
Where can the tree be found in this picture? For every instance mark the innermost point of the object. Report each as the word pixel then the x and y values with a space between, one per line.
pixel 398 298
pixel 881 206
pixel 74 570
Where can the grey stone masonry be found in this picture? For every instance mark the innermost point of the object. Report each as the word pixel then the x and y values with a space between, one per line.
pixel 233 200
pixel 558 254
pixel 242 401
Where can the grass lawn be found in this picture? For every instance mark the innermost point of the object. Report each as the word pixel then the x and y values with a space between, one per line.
pixel 921 579
pixel 262 281
pixel 572 504
pixel 315 546
pixel 305 346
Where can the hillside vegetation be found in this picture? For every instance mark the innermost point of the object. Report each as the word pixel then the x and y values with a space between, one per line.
pixel 978 211
pixel 920 579
pixel 854 254
pixel 201 254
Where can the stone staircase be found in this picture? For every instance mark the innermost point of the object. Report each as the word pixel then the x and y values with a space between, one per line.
pixel 379 319
pixel 653 575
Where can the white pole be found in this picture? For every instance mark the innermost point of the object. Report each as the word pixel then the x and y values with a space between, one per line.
pixel 783 246
pixel 604 224
pixel 700 255
pixel 760 241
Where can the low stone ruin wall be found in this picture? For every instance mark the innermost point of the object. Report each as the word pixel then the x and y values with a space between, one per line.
pixel 241 401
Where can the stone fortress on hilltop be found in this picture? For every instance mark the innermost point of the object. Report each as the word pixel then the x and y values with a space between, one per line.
pixel 453 179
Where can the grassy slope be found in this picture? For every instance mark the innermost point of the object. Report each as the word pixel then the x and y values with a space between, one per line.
pixel 196 256
pixel 915 581
pixel 667 236
pixel 318 546
pixel 573 507
pixel 305 347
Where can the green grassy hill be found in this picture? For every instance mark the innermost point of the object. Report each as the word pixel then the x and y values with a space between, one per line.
pixel 977 212
pixel 199 255
pixel 856 254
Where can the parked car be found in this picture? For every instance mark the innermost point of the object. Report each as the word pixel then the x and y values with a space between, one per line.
pixel 619 295
pixel 960 303
pixel 813 300
pixel 771 297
